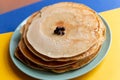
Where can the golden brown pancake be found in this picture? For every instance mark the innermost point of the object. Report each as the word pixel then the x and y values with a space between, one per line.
pixel 51 64
pixel 73 66
pixel 45 57
pixel 61 37
pixel 21 57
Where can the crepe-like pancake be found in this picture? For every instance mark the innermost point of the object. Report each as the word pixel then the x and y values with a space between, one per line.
pixel 50 64
pixel 42 56
pixel 73 66
pixel 81 30
pixel 91 50
pixel 61 37
pixel 26 52
pixel 25 60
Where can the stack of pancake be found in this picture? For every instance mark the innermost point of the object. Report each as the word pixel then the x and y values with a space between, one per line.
pixel 61 37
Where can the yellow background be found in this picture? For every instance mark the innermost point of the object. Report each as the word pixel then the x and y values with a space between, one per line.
pixel 108 69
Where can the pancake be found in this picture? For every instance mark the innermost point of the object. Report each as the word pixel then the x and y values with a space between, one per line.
pixel 75 27
pixel 46 58
pixel 61 59
pixel 50 64
pixel 26 52
pixel 21 57
pixel 61 37
pixel 74 66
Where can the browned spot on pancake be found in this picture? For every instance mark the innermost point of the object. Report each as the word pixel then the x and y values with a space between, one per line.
pixel 60 23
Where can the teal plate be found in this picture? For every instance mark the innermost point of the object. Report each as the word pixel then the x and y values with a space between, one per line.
pixel 54 76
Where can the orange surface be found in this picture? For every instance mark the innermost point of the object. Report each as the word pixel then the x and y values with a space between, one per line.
pixel 8 5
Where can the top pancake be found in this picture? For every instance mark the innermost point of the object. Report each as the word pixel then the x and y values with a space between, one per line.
pixel 46 58
pixel 83 29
